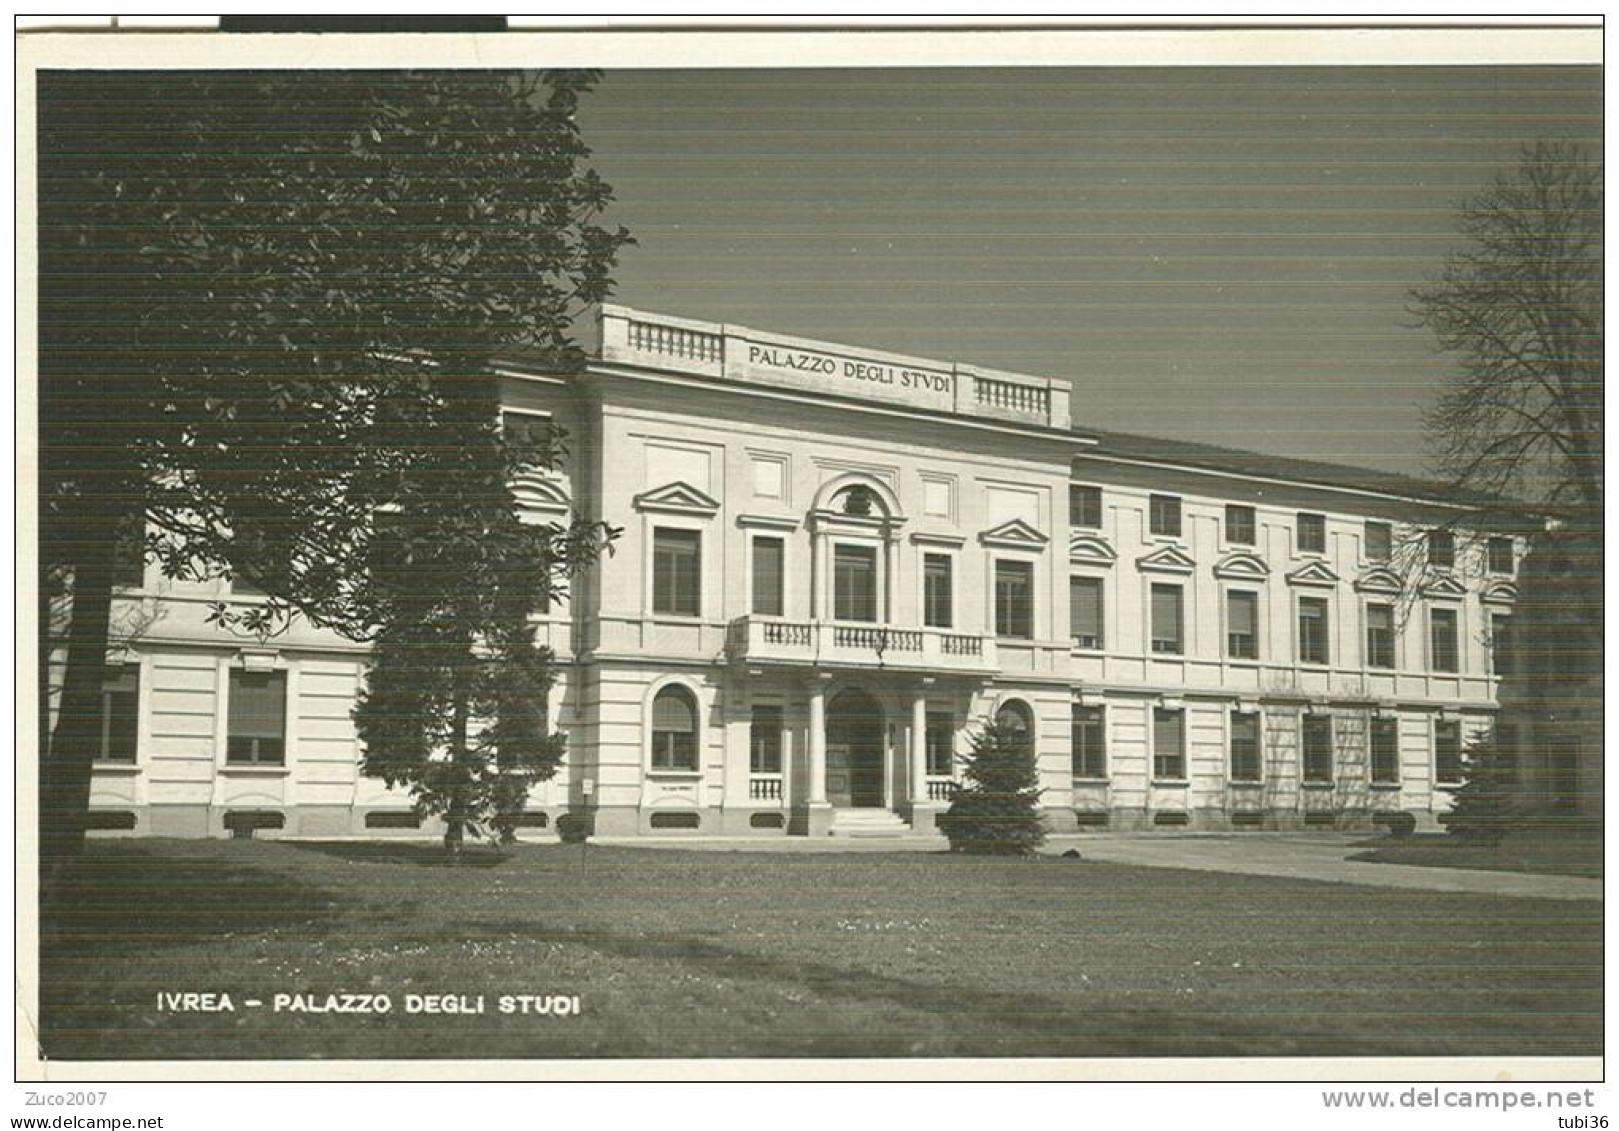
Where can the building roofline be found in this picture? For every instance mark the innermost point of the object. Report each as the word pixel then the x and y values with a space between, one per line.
pixel 508 365
pixel 1237 463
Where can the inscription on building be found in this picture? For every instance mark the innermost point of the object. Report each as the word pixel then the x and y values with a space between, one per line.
pixel 842 374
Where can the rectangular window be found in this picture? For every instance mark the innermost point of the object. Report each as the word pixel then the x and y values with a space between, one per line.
pixel 1385 751
pixel 120 713
pixel 1164 515
pixel 528 435
pixel 938 600
pixel 257 718
pixel 1240 528
pixel 764 741
pixel 1168 744
pixel 1167 619
pixel 1441 548
pixel 1500 646
pixel 769 559
pixel 1379 541
pixel 1442 650
pixel 1380 636
pixel 1312 533
pixel 1242 625
pixel 941 749
pixel 1084 506
pixel 1313 630
pixel 854 583
pixel 1500 555
pixel 676 572
pixel 1318 748
pixel 1245 761
pixel 1447 751
pixel 1014 599
pixel 1090 742
pixel 1085 611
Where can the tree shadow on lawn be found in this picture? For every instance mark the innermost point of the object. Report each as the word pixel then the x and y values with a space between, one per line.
pixel 416 853
pixel 980 1022
pixel 133 902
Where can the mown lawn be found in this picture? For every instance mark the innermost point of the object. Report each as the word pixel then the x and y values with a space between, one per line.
pixel 705 954
pixel 1553 853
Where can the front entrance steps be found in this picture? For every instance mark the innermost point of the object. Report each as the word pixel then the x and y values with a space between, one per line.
pixel 867 823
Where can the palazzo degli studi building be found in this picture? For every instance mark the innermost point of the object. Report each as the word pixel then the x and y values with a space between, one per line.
pixel 836 563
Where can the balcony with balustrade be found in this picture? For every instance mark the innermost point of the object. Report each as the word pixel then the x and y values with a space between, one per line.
pixel 818 643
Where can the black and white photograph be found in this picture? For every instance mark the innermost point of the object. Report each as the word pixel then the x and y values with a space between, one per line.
pixel 1054 554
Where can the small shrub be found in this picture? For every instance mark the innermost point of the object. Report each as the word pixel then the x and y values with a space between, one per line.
pixel 997 812
pixel 1399 823
pixel 575 828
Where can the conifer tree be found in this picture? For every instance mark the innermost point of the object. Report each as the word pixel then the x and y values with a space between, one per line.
pixel 1483 807
pixel 998 811
pixel 454 706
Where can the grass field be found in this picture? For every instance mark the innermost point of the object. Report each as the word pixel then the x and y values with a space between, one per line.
pixel 1554 853
pixel 704 954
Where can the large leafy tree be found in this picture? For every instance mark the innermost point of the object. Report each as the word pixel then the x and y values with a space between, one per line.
pixel 256 290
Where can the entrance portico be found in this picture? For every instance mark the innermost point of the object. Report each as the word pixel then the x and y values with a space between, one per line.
pixel 867 749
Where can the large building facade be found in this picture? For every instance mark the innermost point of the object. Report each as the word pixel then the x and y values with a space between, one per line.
pixel 835 564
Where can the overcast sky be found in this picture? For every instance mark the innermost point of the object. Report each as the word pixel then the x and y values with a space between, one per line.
pixel 1218 255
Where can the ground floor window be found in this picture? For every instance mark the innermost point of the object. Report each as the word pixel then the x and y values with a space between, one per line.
pixel 120 721
pixel 1090 742
pixel 1385 751
pixel 764 742
pixel 1318 748
pixel 674 730
pixel 1245 761
pixel 1169 744
pixel 257 717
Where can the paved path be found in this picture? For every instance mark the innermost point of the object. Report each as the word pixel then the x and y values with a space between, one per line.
pixel 1300 856
pixel 1315 856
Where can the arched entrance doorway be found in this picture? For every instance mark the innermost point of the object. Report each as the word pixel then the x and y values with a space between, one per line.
pixel 854 751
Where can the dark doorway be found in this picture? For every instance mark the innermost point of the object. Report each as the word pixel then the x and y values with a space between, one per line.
pixel 854 751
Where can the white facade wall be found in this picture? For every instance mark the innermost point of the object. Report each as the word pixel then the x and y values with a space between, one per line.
pixel 706 441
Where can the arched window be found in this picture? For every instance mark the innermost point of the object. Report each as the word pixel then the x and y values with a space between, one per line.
pixel 674 730
pixel 1015 718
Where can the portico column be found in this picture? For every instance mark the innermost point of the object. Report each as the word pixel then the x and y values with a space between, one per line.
pixel 817 741
pixel 919 746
